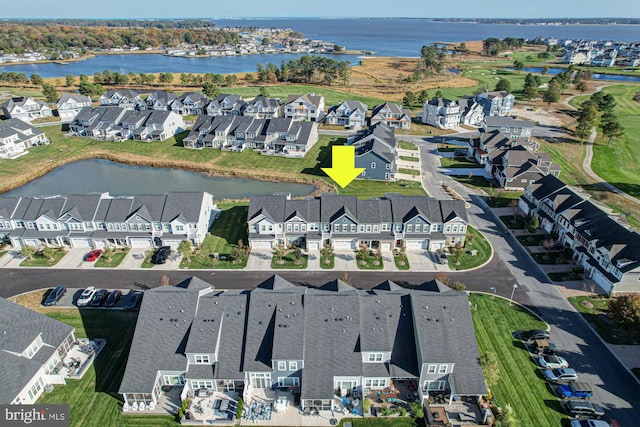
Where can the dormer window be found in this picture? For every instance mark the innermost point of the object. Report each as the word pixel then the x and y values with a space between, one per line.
pixel 375 357
pixel 201 359
pixel 33 349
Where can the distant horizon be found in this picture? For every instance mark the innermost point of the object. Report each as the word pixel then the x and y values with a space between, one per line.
pixel 239 18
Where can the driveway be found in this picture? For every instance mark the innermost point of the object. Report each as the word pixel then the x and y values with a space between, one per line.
pixel 134 258
pixel 75 259
pixel 259 259
pixel 423 261
pixel 344 260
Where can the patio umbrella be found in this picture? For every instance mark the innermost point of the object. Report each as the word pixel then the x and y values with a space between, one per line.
pixel 248 391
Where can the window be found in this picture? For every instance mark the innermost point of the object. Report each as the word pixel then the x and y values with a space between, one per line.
pixel 387 176
pixel 293 366
pixel 448 228
pixel 353 228
pixel 288 227
pixel 375 357
pixel 442 369
pixel 201 359
pixel 288 382
pixel 388 166
pixel 462 228
pixel 409 228
pixel 282 366
pixel 196 384
pixel 368 228
pixel 373 165
pixel 178 228
pixel 455 228
pixel 33 349
pixel 431 369
pixel 296 227
pixel 375 382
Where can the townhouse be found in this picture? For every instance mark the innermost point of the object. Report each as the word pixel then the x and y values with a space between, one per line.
pixel 345 222
pixel 351 114
pixel 496 103
pixel 279 135
pixel 225 105
pixel 471 111
pixel 16 136
pixel 122 98
pixel 26 109
pixel 608 251
pixel 109 122
pixel 511 128
pixel 159 100
pixel 322 343
pixel 70 104
pixel 441 113
pixel 309 107
pixel 376 150
pixel 32 348
pixel 262 107
pixel 392 115
pixel 189 103
pixel 101 220
pixel 512 162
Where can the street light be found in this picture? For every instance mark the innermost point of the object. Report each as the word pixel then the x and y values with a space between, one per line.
pixel 513 289
pixel 493 288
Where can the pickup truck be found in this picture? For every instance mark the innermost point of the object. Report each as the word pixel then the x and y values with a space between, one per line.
pixel 575 389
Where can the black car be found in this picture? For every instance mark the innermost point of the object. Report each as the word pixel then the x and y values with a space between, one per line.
pixel 113 298
pixel 161 255
pixel 98 298
pixel 55 295
pixel 133 299
pixel 534 334
pixel 584 409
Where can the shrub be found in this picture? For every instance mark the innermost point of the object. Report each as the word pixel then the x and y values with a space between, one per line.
pixel 366 405
pixel 179 415
pixel 239 408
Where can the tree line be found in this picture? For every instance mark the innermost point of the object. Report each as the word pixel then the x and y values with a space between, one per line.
pixel 493 46
pixel 306 69
pixel 55 38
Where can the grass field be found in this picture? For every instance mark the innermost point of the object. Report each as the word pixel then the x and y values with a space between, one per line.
pixel 116 259
pixel 365 189
pixel 93 401
pixel 225 233
pixel 474 241
pixel 595 310
pixel 39 260
pixel 414 172
pixel 519 383
pixel 331 96
pixel 405 145
pixel 490 76
pixel 460 162
pixel 289 262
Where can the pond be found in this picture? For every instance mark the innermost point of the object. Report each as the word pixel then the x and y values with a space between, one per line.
pixel 594 76
pixel 89 176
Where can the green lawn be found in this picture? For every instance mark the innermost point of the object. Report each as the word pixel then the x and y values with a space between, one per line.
pixel 116 259
pixel 2 253
pixel 289 262
pixel 514 224
pixel 474 241
pixel 549 258
pixel 226 231
pixel 490 76
pixel 365 189
pixel 405 145
pixel 40 260
pixel 414 172
pixel 595 310
pixel 37 93
pixel 410 159
pixel 531 240
pixel 383 422
pixel 459 162
pixel 93 401
pixel 331 96
pixel 147 259
pixel 370 263
pixel 519 383
pixel 401 261
pixel 560 276
pixel 327 262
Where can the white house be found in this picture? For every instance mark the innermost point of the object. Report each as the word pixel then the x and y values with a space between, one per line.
pixel 16 136
pixel 441 113
pixel 351 114
pixel 26 109
pixel 309 107
pixel 70 104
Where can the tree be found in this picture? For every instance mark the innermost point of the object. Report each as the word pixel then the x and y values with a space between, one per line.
pixel 503 85
pixel 553 92
pixel 530 88
pixel 363 252
pixel 607 103
pixel 582 131
pixel 458 286
pixel 49 253
pixel 439 94
pixel 544 70
pixel 210 90
pixel 589 112
pixel 83 78
pixel 611 127
pixel 50 92
pixel 548 243
pixel 185 78
pixel 185 249
pixel 165 281
pixel 490 367
pixel 518 65
pixel 70 80
pixel 231 80
pixel 264 92
pixel 582 87
pixel 443 278
pixel 36 79
pixel 280 251
pixel 625 311
pixel 28 251
pixel 409 99
pixel 533 224
pixel 107 253
pixel 423 97
pixel 165 78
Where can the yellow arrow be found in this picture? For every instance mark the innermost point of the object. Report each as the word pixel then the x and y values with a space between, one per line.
pixel 343 162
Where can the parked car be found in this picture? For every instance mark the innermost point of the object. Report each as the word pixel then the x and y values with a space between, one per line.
pixel 544 347
pixel 55 295
pixel 534 334
pixel 98 298
pixel 133 299
pixel 589 423
pixel 550 361
pixel 584 409
pixel 561 375
pixel 113 298
pixel 578 390
pixel 161 255
pixel 86 296
pixel 93 255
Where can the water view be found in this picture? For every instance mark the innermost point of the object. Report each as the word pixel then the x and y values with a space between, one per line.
pixel 594 76
pixel 88 176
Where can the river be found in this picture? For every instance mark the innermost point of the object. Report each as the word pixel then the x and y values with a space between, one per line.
pixel 386 37
pixel 594 76
pixel 89 176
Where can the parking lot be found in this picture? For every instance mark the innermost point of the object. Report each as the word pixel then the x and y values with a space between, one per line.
pixel 70 298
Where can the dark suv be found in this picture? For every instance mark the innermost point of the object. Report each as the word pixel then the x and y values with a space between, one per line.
pixel 584 409
pixel 161 255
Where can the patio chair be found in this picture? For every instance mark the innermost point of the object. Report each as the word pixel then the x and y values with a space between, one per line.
pixel 151 406
pixel 134 406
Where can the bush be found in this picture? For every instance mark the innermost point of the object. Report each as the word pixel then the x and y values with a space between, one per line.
pixel 179 415
pixel 402 411
pixel 239 409
pixel 366 405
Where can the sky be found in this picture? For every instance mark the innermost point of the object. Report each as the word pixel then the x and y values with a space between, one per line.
pixel 354 8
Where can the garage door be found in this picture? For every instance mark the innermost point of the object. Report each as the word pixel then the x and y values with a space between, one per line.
pixel 140 243
pixel 81 243
pixel 425 244
pixel 261 244
pixel 386 246
pixel 313 246
pixel 413 244
pixel 436 246
pixel 343 244
pixel 173 243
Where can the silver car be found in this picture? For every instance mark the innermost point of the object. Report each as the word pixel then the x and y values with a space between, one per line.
pixel 86 296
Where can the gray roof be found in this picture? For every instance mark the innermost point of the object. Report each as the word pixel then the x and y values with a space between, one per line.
pixel 311 98
pixel 73 97
pixel 20 327
pixel 500 121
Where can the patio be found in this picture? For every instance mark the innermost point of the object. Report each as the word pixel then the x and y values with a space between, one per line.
pixel 465 411
pixel 80 357
pixel 212 407
pixel 169 402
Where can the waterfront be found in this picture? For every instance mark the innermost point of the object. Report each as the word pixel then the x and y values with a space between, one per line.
pixel 594 76
pixel 89 176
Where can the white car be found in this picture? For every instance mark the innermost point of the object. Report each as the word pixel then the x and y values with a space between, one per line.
pixel 86 296
pixel 550 361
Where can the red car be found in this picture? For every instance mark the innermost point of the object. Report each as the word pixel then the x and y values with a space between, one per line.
pixel 93 255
